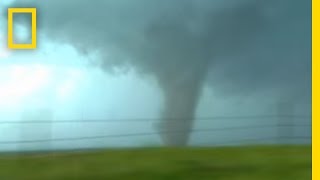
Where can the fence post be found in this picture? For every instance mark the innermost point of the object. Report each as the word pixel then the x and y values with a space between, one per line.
pixel 286 125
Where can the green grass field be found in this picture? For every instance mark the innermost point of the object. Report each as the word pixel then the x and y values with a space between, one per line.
pixel 229 163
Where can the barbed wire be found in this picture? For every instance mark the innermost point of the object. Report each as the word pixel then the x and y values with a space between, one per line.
pixel 148 134
pixel 153 119
pixel 259 139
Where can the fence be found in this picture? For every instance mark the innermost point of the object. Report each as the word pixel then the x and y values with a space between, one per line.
pixel 282 126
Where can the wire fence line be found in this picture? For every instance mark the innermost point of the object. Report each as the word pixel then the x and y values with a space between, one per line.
pixel 257 140
pixel 210 130
pixel 121 120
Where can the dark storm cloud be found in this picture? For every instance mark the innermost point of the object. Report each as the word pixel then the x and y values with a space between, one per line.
pixel 278 60
pixel 238 47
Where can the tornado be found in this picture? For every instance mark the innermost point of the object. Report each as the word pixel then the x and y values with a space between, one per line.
pixel 181 99
pixel 185 54
pixel 176 42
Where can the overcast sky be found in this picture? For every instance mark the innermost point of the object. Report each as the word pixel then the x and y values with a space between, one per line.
pixel 115 59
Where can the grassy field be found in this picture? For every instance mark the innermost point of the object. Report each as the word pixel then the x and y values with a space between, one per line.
pixel 241 163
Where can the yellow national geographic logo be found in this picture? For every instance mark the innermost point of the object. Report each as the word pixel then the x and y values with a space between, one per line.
pixel 11 44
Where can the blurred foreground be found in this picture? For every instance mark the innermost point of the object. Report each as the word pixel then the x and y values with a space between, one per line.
pixel 228 163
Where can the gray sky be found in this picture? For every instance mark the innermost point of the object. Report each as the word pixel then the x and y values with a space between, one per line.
pixel 253 55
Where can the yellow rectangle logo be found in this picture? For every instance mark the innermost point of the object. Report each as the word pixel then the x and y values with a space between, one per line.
pixel 11 44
